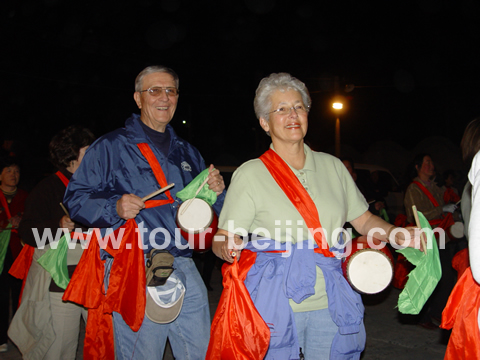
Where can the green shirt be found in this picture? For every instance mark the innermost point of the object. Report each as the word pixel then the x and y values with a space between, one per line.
pixel 256 204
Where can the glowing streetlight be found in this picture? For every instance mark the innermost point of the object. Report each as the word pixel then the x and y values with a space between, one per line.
pixel 337 107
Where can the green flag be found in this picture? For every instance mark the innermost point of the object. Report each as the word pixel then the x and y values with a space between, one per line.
pixel 55 262
pixel 205 193
pixel 4 241
pixel 424 278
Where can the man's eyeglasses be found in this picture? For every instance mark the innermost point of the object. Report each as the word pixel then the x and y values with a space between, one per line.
pixel 299 109
pixel 157 91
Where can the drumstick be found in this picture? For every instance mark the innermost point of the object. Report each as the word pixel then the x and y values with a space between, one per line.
pixel 65 210
pixel 422 234
pixel 458 202
pixel 159 191
pixel 196 193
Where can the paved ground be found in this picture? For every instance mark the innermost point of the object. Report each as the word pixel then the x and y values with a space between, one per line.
pixel 390 335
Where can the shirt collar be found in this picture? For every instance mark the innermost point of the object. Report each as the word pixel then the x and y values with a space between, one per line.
pixel 309 161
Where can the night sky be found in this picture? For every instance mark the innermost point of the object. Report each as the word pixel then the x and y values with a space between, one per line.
pixel 412 67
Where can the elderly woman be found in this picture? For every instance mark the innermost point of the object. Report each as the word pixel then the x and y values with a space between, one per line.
pixel 285 196
pixel 50 331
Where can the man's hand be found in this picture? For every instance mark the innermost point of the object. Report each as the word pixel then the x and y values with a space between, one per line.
pixel 129 205
pixel 66 223
pixel 215 180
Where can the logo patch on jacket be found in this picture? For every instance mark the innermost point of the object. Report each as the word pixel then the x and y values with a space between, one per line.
pixel 186 166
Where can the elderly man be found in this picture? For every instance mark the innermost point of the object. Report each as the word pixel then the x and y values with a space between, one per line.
pixel 106 192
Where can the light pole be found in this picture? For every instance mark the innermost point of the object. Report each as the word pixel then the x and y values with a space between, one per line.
pixel 337 107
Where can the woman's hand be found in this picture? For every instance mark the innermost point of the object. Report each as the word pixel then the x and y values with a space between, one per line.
pixel 408 237
pixel 227 246
pixel 215 180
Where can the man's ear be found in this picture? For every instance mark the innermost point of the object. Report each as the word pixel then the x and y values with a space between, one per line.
pixel 138 100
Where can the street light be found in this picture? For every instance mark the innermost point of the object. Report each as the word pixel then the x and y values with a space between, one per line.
pixel 337 107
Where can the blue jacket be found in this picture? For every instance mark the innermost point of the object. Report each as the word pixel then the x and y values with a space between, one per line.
pixel 277 277
pixel 113 166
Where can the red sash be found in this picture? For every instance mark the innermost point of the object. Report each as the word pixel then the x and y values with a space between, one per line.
pixel 63 178
pixel 447 220
pixel 427 193
pixel 127 282
pixel 297 194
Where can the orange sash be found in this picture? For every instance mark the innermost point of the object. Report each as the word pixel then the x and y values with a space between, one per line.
pixel 447 220
pixel 127 282
pixel 461 314
pixel 297 194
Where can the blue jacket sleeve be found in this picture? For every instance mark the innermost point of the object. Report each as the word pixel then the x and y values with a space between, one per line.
pixel 90 196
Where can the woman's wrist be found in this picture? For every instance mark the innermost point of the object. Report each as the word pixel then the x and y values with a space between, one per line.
pixel 389 232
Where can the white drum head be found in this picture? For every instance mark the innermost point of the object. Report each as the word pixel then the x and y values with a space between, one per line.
pixel 369 271
pixel 457 230
pixel 194 216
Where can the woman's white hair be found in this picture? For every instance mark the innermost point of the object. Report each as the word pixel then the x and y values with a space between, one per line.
pixel 277 82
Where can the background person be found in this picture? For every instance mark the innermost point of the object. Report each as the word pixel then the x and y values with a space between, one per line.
pixel 107 191
pixel 427 196
pixel 415 195
pixel 256 201
pixel 45 327
pixel 12 202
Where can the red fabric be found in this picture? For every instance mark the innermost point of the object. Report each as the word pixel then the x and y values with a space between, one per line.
pixel 21 266
pixel 4 203
pixel 461 262
pixel 238 331
pixel 126 293
pixel 22 263
pixel 402 269
pixel 127 282
pixel 461 314
pixel 449 196
pixel 63 178
pixel 297 194
pixel 446 221
pixel 400 220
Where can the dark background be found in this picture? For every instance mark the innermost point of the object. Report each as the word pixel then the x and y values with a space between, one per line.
pixel 411 68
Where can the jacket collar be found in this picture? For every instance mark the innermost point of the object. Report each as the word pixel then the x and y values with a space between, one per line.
pixel 136 134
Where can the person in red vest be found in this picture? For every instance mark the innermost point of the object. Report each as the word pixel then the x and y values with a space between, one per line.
pixel 12 202
pixel 427 196
pixel 291 197
pixel 51 329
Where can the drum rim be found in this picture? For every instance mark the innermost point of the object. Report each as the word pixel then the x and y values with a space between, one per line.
pixel 359 253
pixel 201 230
